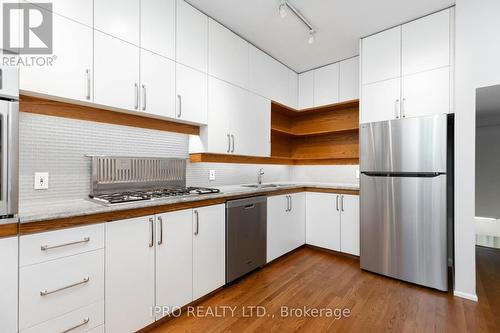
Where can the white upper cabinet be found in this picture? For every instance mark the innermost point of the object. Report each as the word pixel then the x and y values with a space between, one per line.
pixel 293 89
pixel 116 72
pixel 191 98
pixel 306 90
pixel 227 55
pixel 192 37
pixel 426 93
pixel 119 18
pixel 77 10
pixel 426 43
pixel 251 126
pixel 326 85
pixel 380 101
pixel 158 27
pixel 349 79
pixel 71 74
pixel 381 56
pixel 157 88
pixel 267 77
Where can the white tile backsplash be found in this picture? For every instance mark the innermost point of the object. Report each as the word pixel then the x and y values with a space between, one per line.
pixel 58 146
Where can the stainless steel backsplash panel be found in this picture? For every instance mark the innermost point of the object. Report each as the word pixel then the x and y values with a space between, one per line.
pixel 116 173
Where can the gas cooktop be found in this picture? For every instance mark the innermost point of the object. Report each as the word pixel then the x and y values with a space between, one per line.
pixel 141 195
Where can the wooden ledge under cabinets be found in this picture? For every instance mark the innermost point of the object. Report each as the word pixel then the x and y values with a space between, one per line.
pixel 7 230
pixel 240 159
pixel 62 223
pixel 31 104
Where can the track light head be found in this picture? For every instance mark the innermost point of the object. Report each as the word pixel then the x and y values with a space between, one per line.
pixel 311 37
pixel 282 9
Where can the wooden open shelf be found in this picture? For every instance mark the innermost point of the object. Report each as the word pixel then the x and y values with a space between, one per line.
pixel 325 135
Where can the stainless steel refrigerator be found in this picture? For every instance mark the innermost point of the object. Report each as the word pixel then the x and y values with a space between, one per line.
pixel 404 200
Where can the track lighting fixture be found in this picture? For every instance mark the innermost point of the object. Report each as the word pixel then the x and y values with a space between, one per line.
pixel 283 10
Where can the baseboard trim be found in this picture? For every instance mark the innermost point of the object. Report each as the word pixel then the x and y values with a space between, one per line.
pixel 471 297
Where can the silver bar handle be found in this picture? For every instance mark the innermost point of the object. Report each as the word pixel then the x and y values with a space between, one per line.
pixel 232 149
pixel 84 322
pixel 396 107
pixel 179 97
pixel 144 97
pixel 136 89
pixel 152 240
pixel 337 201
pixel 403 108
pixel 197 223
pixel 47 247
pixel 342 203
pixel 45 292
pixel 87 71
pixel 228 143
pixel 160 221
pixel 287 203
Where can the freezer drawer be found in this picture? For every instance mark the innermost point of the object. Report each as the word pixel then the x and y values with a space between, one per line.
pixel 403 228
pixel 410 145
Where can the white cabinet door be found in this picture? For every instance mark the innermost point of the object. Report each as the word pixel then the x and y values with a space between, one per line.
pixel 251 125
pixel 277 229
pixel 192 37
pixel 70 75
pixel 426 43
pixel 306 90
pixel 381 56
pixel 296 225
pixel 158 27
pixel 130 274
pixel 119 18
pixel 116 72
pixel 192 99
pixel 326 85
pixel 174 260
pixel 8 284
pixel 209 249
pixel 349 227
pixel 76 10
pixel 157 85
pixel 267 77
pixel 426 93
pixel 380 101
pixel 349 79
pixel 293 89
pixel 223 100
pixel 323 220
pixel 227 55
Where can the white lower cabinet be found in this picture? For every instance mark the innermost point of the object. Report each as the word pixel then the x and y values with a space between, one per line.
pixel 174 260
pixel 209 249
pixel 323 220
pixel 8 284
pixel 285 224
pixel 332 221
pixel 130 289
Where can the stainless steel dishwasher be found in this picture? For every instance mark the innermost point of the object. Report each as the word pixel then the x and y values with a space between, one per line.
pixel 246 236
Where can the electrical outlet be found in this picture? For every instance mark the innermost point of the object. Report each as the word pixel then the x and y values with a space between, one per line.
pixel 41 180
pixel 211 175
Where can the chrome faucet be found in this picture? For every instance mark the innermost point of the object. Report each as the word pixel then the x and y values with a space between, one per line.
pixel 259 176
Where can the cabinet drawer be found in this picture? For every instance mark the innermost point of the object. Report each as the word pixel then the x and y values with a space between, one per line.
pixel 53 288
pixel 51 245
pixel 87 319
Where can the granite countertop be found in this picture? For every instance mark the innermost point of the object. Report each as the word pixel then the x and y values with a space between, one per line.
pixel 82 207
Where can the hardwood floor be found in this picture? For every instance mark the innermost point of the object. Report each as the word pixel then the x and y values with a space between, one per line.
pixel 317 279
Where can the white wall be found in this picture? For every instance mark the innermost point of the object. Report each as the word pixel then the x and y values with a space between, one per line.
pixel 477 58
pixel 345 174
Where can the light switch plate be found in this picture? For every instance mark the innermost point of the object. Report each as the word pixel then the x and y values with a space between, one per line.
pixel 41 180
pixel 211 175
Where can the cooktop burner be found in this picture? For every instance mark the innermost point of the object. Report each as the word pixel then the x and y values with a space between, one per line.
pixel 131 196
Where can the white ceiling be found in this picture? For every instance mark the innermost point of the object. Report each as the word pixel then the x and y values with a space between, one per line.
pixel 339 25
